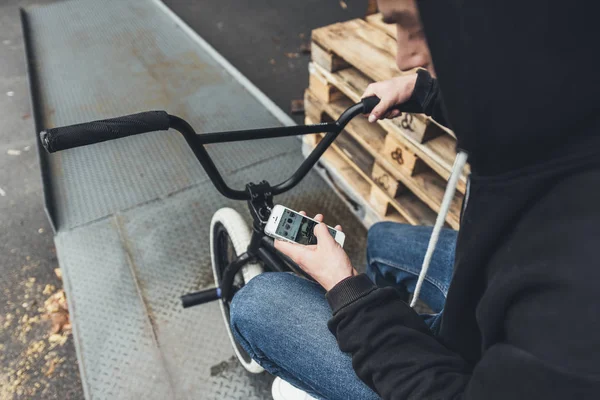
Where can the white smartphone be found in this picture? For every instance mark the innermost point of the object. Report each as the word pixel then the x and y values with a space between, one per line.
pixel 288 225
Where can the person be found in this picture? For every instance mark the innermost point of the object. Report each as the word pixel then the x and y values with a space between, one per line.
pixel 514 291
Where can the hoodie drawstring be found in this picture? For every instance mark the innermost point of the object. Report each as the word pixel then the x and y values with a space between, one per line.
pixel 457 168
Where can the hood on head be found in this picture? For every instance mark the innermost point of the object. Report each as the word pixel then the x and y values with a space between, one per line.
pixel 519 78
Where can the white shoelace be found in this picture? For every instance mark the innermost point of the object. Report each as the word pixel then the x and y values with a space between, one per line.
pixel 459 164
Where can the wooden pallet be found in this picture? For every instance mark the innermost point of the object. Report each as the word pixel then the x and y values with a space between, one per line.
pixel 351 55
pixel 376 20
pixel 399 167
pixel 400 182
pixel 350 185
pixel 438 153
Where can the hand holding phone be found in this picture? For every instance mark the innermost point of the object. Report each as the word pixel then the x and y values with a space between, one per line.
pixel 326 261
pixel 291 226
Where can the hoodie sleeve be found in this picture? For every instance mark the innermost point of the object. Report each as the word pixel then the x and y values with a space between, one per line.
pixel 392 349
pixel 538 315
pixel 427 98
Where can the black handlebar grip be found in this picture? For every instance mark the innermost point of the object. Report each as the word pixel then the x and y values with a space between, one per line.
pixel 68 137
pixel 201 297
pixel 369 103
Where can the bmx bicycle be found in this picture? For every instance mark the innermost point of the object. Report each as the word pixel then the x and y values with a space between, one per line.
pixel 238 253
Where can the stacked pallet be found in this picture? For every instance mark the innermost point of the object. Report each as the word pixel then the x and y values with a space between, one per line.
pixel 397 169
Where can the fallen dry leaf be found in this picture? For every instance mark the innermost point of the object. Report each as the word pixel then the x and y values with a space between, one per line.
pixel 343 4
pixel 292 55
pixel 58 273
pixel 49 289
pixel 51 367
pixel 305 48
pixel 59 321
pixel 57 310
pixel 297 106
pixel 29 284
pixel 58 339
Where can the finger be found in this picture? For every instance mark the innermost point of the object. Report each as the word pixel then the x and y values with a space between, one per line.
pixel 292 250
pixel 393 114
pixel 318 218
pixel 380 109
pixel 302 213
pixel 385 115
pixel 323 235
pixel 369 91
pixel 338 228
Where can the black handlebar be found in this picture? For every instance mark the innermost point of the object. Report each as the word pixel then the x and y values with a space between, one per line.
pixel 369 103
pixel 68 137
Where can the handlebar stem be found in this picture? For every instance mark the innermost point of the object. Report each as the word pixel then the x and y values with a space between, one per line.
pixel 207 163
pixel 197 142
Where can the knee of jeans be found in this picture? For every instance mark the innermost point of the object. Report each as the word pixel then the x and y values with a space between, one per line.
pixel 383 239
pixel 251 303
pixel 377 235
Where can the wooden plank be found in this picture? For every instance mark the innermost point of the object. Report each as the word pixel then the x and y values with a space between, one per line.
pixel 338 169
pixel 399 154
pixel 363 162
pixel 445 147
pixel 361 45
pixel 354 179
pixel 311 139
pixel 386 181
pixel 355 152
pixel 384 205
pixel 320 87
pixel 417 213
pixel 370 136
pixel 417 126
pixel 404 203
pixel 429 187
pixel 438 153
pixel 367 48
pixel 376 20
pixel 311 110
pixel 360 187
pixel 326 59
pixel 425 183
pixel 353 84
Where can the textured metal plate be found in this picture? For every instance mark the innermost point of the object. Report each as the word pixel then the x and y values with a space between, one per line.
pixel 125 275
pixel 104 58
pixel 133 215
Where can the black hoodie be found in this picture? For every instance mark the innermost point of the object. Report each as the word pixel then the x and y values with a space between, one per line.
pixel 522 316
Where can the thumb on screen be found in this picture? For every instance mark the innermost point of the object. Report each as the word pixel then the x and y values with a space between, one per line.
pixel 322 233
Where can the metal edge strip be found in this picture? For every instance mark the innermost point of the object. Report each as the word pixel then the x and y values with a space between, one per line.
pixel 77 342
pixel 249 86
pixel 34 102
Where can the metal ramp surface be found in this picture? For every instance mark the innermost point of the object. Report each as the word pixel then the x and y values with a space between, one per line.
pixel 131 216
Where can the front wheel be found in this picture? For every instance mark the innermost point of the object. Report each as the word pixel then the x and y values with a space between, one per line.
pixel 229 238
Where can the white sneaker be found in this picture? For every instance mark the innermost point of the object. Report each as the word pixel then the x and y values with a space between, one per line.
pixel 282 390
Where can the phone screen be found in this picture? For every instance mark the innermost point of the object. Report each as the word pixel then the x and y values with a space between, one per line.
pixel 297 228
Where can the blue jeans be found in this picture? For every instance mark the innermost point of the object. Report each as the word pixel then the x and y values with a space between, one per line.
pixel 281 319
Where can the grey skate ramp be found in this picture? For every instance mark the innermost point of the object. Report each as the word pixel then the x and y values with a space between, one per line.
pixel 132 216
